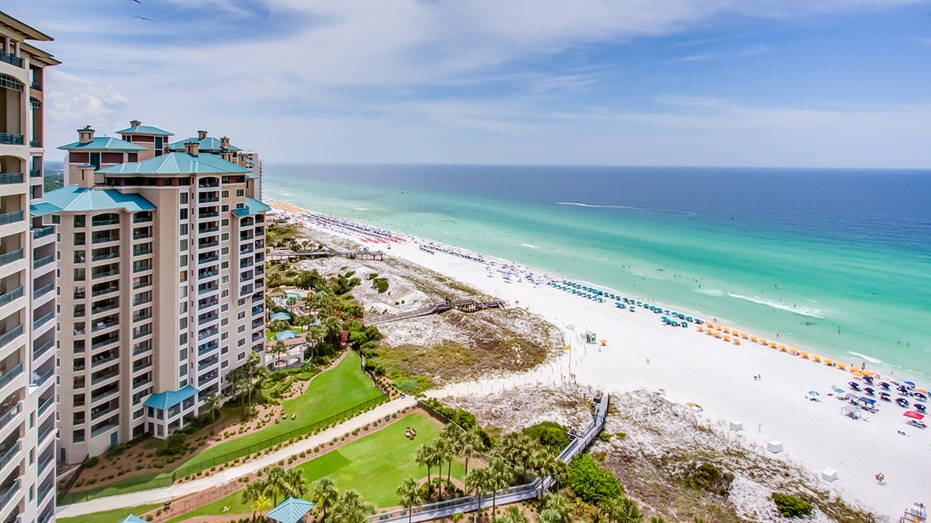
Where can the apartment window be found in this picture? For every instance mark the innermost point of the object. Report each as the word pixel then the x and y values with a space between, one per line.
pixel 226 194
pixel 182 323
pixel 225 307
pixel 184 370
pixel 79 220
pixel 241 329
pixel 224 208
pixel 142 217
pixel 241 315
pixel 225 222
pixel 79 274
pixel 183 229
pixel 225 236
pixel 225 364
pixel 240 343
pixel 183 198
pixel 79 238
pixel 184 260
pixel 225 279
pixel 224 336
pixel 224 265
pixel 183 354
pixel 183 245
pixel 224 350
pixel 224 322
pixel 240 192
pixel 182 214
pixel 241 356
pixel 139 413
pixel 225 251
pixel 77 436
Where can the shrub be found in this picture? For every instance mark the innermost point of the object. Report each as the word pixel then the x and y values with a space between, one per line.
pixel 91 461
pixel 707 477
pixel 791 506
pixel 590 482
pixel 604 436
pixel 549 434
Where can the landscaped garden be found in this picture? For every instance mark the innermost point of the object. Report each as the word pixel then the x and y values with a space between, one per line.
pixel 109 515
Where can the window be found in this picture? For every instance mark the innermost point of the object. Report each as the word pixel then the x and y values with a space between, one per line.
pixel 79 220
pixel 183 245
pixel 241 342
pixel 225 208
pixel 78 274
pixel 183 354
pixel 240 192
pixel 225 236
pixel 241 315
pixel 184 260
pixel 241 329
pixel 241 356
pixel 79 238
pixel 225 222
pixel 183 198
pixel 226 194
pixel 183 214
pixel 225 251
pixel 183 229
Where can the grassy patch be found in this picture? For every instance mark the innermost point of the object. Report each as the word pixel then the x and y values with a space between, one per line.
pixel 363 465
pixel 330 393
pixel 110 515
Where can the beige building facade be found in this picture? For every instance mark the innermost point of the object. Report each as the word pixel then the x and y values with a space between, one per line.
pixel 27 285
pixel 161 285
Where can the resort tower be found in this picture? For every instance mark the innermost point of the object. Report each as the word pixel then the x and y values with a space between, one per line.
pixel 161 287
pixel 27 285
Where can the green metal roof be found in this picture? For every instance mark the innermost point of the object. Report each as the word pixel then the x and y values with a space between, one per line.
pixel 177 163
pixel 167 400
pixel 252 207
pixel 208 144
pixel 103 143
pixel 132 518
pixel 81 199
pixel 145 129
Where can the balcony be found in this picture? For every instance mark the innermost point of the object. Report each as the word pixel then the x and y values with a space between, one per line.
pixel 39 351
pixel 207 244
pixel 207 215
pixel 105 238
pixel 112 304
pixel 9 415
pixel 142 249
pixel 7 376
pixel 208 289
pixel 207 303
pixel 105 254
pixel 142 316
pixel 40 232
pixel 142 266
pixel 103 343
pixel 40 379
pixel 11 59
pixel 142 298
pixel 45 260
pixel 103 359
pixel 10 493
pixel 207 347
pixel 45 404
pixel 43 290
pixel 47 317
pixel 204 274
pixel 98 290
pixel 9 455
pixel 141 364
pixel 12 139
pixel 108 270
pixel 140 381
pixel 104 376
pixel 35 143
pixel 207 259
pixel 107 219
pixel 206 333
pixel 104 392
pixel 11 217
pixel 258 322
pixel 246 250
pixel 35 173
pixel 142 347
pixel 141 235
pixel 139 332
pixel 11 257
pixel 10 296
pixel 14 333
pixel 208 229
pixel 101 429
pixel 208 199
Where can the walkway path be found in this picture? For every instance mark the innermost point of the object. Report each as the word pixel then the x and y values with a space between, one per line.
pixel 159 495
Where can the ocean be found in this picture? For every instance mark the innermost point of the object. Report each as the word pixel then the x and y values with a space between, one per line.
pixel 838 260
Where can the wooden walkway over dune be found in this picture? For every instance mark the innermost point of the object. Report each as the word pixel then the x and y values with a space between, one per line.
pixel 287 254
pixel 466 305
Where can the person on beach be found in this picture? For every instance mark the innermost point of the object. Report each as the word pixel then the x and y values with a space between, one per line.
pixel 880 477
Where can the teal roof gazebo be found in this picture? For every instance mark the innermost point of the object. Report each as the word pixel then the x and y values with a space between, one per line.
pixel 132 518
pixel 285 335
pixel 283 316
pixel 291 510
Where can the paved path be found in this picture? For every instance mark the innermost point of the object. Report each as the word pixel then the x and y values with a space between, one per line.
pixel 159 495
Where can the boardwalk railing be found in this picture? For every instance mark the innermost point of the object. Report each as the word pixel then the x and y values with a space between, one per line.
pixel 442 509
pixel 466 305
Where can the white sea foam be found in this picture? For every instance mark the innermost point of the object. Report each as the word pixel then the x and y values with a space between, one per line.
pixel 529 246
pixel 870 359
pixel 630 208
pixel 811 312
pixel 710 292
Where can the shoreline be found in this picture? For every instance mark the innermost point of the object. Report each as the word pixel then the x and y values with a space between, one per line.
pixel 691 367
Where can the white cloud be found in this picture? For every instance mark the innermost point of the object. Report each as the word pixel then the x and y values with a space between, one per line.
pixel 73 102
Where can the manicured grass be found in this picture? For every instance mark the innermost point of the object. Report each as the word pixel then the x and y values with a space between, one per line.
pixel 330 393
pixel 374 465
pixel 110 515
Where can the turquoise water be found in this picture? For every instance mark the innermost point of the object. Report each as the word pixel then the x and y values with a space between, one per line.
pixel 838 260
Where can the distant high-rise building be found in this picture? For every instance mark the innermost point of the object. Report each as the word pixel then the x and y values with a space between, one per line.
pixel 161 282
pixel 27 285
pixel 251 161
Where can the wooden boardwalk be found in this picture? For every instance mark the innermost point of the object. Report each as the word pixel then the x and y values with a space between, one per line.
pixel 467 305
pixel 286 254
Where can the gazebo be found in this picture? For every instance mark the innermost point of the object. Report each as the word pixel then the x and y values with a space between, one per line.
pixel 283 316
pixel 132 518
pixel 291 510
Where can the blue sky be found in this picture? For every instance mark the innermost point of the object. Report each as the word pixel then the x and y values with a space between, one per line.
pixel 830 83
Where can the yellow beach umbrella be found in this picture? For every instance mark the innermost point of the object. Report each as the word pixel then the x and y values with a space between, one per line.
pixel 782 348
pixel 727 338
pixel 828 361
pixel 804 355
pixel 867 373
pixel 763 341
pixel 793 351
pixel 753 339
pixel 815 358
pixel 743 335
pixel 727 330
pixel 772 344
pixel 842 366
pixel 736 341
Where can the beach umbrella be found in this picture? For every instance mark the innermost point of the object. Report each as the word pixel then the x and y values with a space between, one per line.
pixel 813 393
pixel 838 390
pixel 753 339
pixel 922 391
pixel 914 415
pixel 763 341
pixel 827 361
pixel 909 384
pixel 772 344
pixel 783 348
pixel 803 354
pixel 815 358
pixel 842 366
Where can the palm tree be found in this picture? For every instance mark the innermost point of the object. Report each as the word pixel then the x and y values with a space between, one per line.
pixel 275 483
pixel 253 491
pixel 408 496
pixel 478 482
pixel 260 505
pixel 278 348
pixel 471 445
pixel 546 464
pixel 325 494
pixel 621 510
pixel 513 515
pixel 557 509
pixel 454 437
pixel 426 456
pixel 442 452
pixel 351 508
pixel 296 482
pixel 212 405
pixel 501 475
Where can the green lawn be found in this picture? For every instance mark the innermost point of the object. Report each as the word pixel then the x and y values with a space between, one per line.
pixel 109 515
pixel 330 393
pixel 374 465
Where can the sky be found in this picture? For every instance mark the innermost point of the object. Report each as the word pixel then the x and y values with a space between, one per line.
pixel 774 83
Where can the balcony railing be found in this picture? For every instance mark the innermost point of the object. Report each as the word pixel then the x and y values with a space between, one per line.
pixel 12 139
pixel 45 260
pixel 11 257
pixel 207 245
pixel 39 232
pixel 14 371
pixel 37 353
pixel 101 325
pixel 9 455
pixel 9 415
pixel 205 230
pixel 35 173
pixel 43 320
pixel 11 59
pixel 40 379
pixel 35 143
pixel 104 274
pixel 10 296
pixel 98 431
pixel 14 333
pixel 107 238
pixel 11 217
pixel 45 404
pixel 104 343
pixel 35 86
pixel 104 308
pixel 13 491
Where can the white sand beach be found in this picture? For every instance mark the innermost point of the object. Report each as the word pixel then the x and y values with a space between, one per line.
pixel 690 367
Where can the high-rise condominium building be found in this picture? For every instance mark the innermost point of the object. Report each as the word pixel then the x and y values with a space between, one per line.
pixel 27 285
pixel 161 283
